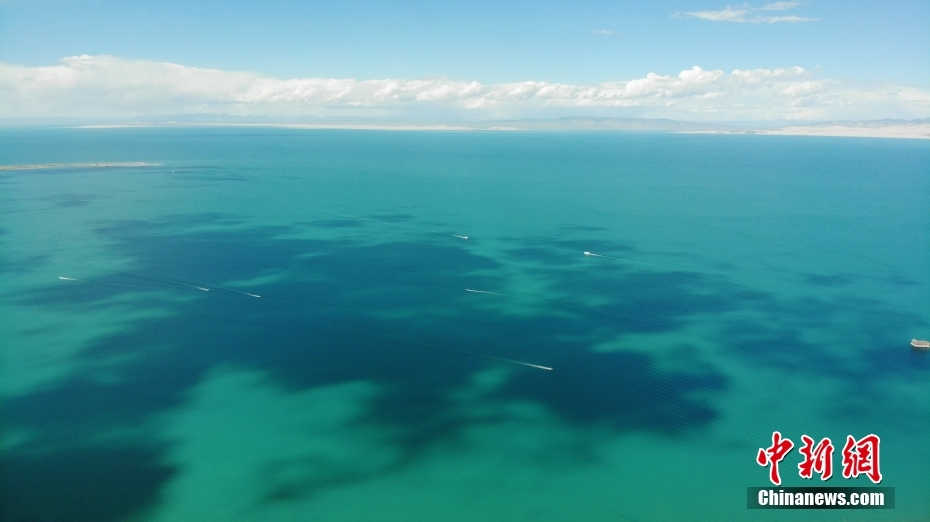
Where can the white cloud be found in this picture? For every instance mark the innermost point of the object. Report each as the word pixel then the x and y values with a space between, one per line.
pixel 727 14
pixel 779 6
pixel 746 14
pixel 757 76
pixel 603 32
pixel 94 87
pixel 791 19
pixel 797 89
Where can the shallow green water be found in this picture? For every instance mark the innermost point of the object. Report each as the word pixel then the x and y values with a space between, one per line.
pixel 746 284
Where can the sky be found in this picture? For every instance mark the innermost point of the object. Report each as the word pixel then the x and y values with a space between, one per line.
pixel 705 60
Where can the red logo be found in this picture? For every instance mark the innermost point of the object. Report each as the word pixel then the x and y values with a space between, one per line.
pixel 819 458
pixel 772 455
pixel 860 457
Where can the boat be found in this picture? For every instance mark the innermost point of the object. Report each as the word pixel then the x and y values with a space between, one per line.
pixel 920 344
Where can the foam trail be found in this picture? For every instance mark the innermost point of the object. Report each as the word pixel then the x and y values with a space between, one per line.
pixel 588 253
pixel 240 292
pixel 461 236
pixel 174 282
pixel 623 260
pixel 101 282
pixel 521 363
pixel 195 285
pixel 204 288
pixel 492 357
pixel 472 290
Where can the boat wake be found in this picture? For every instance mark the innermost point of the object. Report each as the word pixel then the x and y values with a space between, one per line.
pixel 473 291
pixel 145 281
pixel 521 363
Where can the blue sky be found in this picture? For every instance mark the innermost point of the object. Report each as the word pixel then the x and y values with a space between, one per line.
pixel 861 44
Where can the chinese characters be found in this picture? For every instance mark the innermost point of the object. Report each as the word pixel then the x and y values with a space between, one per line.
pixel 859 457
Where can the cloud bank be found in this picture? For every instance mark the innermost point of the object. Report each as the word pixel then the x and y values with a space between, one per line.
pixel 88 87
pixel 746 14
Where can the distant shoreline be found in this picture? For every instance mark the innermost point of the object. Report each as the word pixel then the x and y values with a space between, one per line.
pixel 910 132
pixel 919 131
pixel 89 165
pixel 311 126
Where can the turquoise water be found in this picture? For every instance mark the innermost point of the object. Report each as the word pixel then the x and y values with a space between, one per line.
pixel 745 284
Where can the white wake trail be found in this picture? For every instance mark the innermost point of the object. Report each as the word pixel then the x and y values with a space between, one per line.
pixel 521 363
pixel 240 292
pixel 472 290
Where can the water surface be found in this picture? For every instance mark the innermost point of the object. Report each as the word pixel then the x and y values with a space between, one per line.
pixel 745 284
